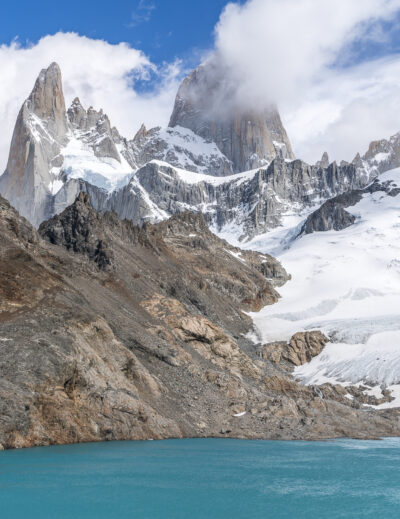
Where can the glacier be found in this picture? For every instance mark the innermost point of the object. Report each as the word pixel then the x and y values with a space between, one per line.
pixel 347 284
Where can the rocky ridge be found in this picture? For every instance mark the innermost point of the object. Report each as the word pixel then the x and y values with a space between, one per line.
pixel 332 214
pixel 113 331
pixel 161 172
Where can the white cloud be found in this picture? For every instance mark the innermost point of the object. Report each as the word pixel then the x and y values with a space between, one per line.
pixel 288 51
pixel 100 74
pixel 142 13
pixel 346 111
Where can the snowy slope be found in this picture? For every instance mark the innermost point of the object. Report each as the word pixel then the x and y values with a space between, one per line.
pixel 189 150
pixel 347 284
pixel 178 146
pixel 80 162
pixel 191 177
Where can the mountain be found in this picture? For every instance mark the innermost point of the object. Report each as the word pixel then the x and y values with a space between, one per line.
pixel 39 134
pixel 49 146
pixel 112 332
pixel 57 153
pixel 381 156
pixel 124 316
pixel 163 171
pixel 53 150
pixel 241 205
pixel 249 138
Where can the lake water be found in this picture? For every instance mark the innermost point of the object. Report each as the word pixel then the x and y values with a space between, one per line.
pixel 193 479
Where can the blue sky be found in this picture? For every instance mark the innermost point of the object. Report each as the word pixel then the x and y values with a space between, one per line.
pixel 162 29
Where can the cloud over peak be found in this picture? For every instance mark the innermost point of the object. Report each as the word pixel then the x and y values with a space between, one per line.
pixel 302 54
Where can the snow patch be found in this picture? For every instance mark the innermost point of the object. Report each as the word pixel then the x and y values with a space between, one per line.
pixel 104 172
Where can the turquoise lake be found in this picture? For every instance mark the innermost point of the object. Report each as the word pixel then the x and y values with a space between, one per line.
pixel 193 479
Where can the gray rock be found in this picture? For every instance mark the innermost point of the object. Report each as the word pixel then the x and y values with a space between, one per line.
pixel 324 162
pixel 254 205
pixel 332 214
pixel 248 138
pixel 39 134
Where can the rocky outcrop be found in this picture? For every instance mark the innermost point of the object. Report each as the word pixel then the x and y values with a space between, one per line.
pixel 74 230
pixel 381 155
pixel 332 214
pixel 248 138
pixel 94 130
pixel 178 146
pixel 324 162
pixel 301 348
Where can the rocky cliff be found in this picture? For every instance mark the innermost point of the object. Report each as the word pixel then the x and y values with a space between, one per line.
pixel 250 203
pixel 39 134
pixel 332 214
pixel 249 138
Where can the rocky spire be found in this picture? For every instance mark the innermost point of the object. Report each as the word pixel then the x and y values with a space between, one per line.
pixel 357 161
pixel 47 100
pixel 140 134
pixel 324 162
pixel 39 133
pixel 249 138
pixel 99 134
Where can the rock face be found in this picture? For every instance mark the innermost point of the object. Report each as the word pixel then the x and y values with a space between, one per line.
pixel 152 346
pixel 73 230
pixel 180 147
pixel 39 134
pixel 249 139
pixel 381 155
pixel 332 214
pixel 301 348
pixel 252 202
pixel 95 130
pixel 324 162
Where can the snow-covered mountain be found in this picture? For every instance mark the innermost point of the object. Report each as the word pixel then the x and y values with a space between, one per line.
pixel 346 283
pixel 243 204
pixel 56 153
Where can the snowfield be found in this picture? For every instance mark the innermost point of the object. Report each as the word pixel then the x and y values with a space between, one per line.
pixel 81 162
pixel 347 284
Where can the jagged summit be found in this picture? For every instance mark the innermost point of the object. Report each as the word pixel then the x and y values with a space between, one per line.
pixel 47 99
pixel 40 132
pixel 52 147
pixel 190 165
pixel 247 137
pixel 324 162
